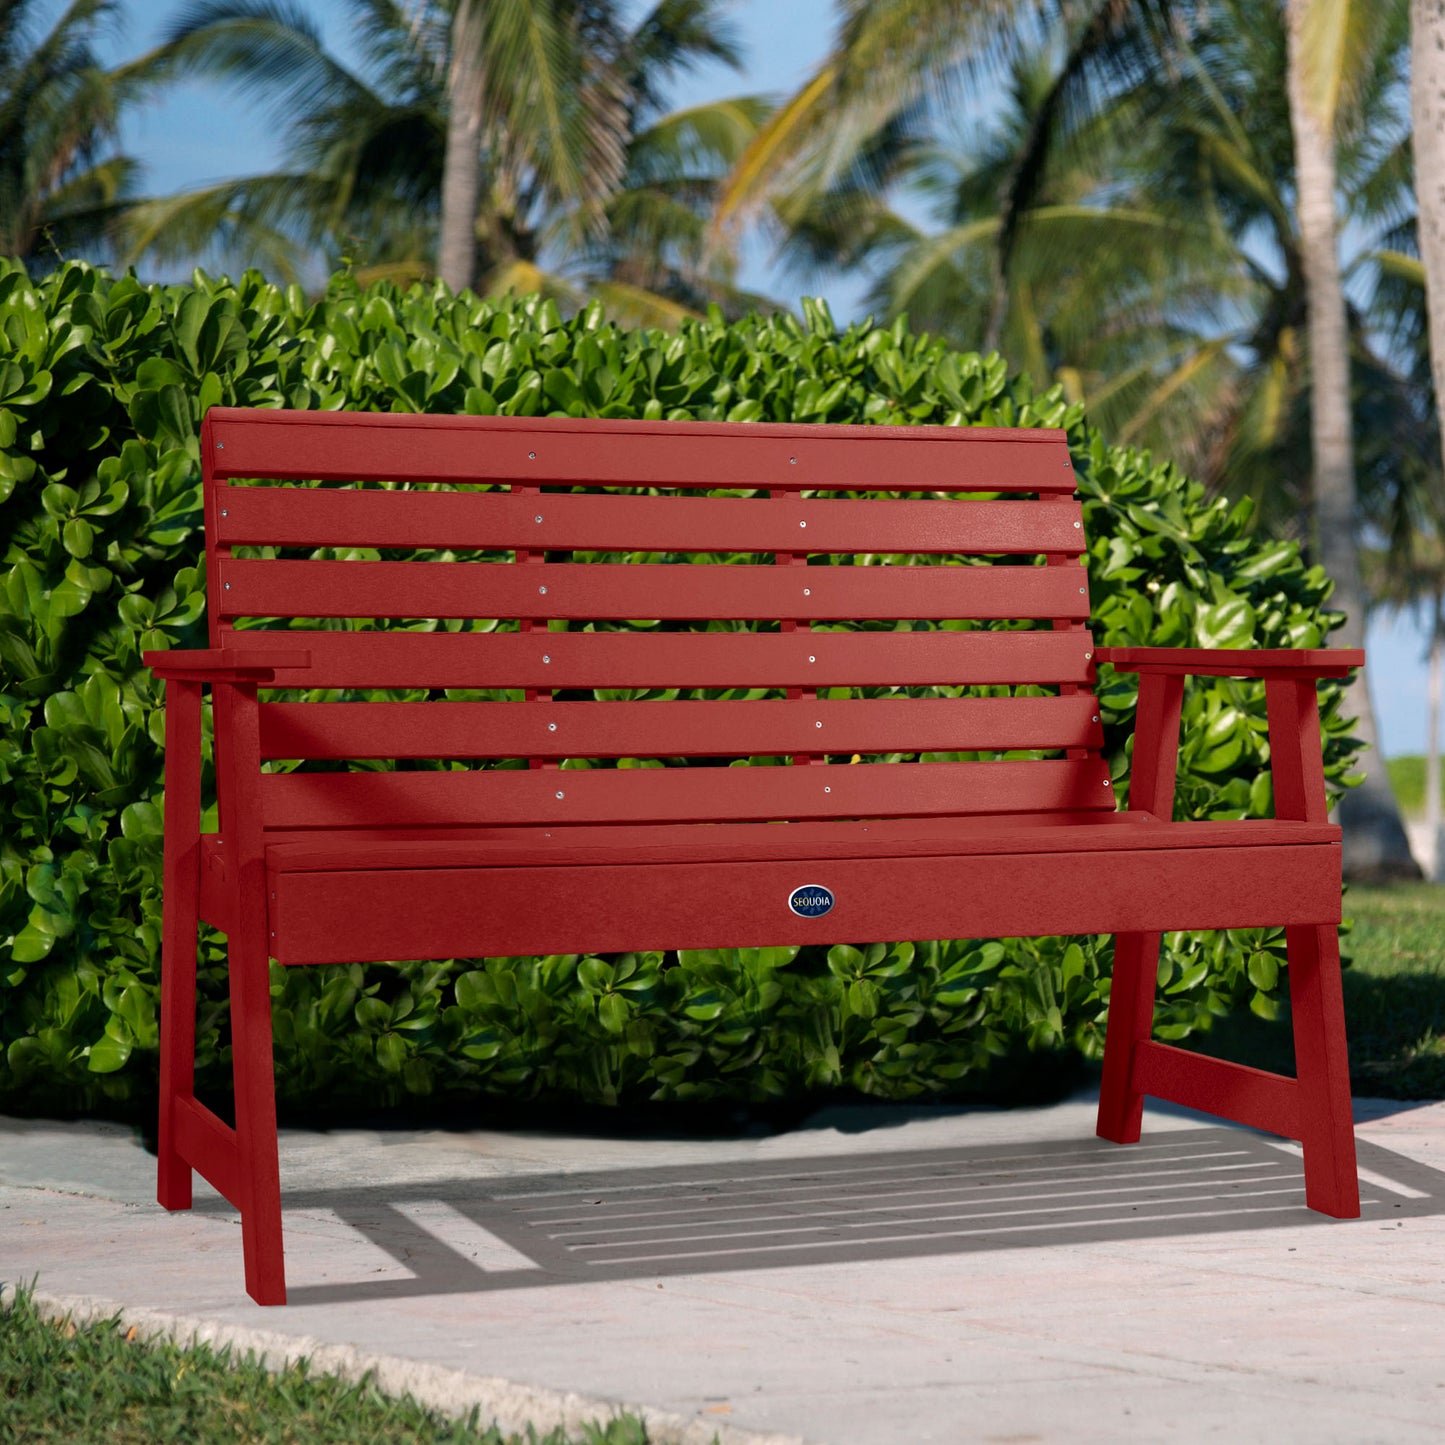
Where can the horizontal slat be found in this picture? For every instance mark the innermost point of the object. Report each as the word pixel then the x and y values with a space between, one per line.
pixel 348 517
pixel 249 588
pixel 654 795
pixel 327 849
pixel 321 446
pixel 343 917
pixel 556 660
pixel 673 729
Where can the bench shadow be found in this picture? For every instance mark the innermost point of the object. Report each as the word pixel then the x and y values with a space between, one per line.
pixel 458 1236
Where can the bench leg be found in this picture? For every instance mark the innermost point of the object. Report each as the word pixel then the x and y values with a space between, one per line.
pixel 1131 1020
pixel 1322 1066
pixel 256 1148
pixel 180 921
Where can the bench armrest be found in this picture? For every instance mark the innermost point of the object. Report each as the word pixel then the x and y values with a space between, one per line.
pixel 1296 756
pixel 1266 662
pixel 224 664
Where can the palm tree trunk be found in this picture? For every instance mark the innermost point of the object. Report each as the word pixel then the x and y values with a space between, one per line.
pixel 1375 845
pixel 466 79
pixel 1432 737
pixel 1427 106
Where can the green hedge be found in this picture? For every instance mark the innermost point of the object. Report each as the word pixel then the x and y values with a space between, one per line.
pixel 102 384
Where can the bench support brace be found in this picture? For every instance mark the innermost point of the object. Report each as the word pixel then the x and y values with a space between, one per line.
pixel 1314 1107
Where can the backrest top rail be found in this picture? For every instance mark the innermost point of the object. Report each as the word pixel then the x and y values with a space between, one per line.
pixel 627 426
pixel 340 446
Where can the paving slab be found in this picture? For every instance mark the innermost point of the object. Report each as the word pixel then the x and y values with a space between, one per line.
pixel 879 1274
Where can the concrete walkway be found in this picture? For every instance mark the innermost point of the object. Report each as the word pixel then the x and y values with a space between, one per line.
pixel 879 1276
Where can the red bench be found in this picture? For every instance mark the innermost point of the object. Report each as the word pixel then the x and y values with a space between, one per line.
pixel 329 866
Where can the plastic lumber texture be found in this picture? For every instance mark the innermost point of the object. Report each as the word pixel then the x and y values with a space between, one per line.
pixel 612 523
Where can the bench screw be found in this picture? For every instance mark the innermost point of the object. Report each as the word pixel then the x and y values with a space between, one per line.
pixel 531 456
pixel 228 586
pixel 1107 784
pixel 537 518
pixel 811 659
pixel 1087 656
pixel 220 446
pixel 1081 591
pixel 561 794
pixel 802 524
pixel 552 727
pixel 1095 718
pixel 543 590
pixel 224 512
pixel 1077 525
pixel 807 591
pixel 546 657
pixel 827 790
pixel 792 461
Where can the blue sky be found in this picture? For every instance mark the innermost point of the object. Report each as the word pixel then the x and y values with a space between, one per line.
pixel 203 133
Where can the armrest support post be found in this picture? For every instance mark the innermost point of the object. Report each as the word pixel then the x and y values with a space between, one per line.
pixel 1296 756
pixel 1156 744
pixel 238 774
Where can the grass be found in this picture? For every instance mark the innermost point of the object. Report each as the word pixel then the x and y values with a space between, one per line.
pixel 1394 999
pixel 1407 778
pixel 99 1384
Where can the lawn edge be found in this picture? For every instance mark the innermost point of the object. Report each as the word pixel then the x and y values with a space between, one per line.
pixel 510 1405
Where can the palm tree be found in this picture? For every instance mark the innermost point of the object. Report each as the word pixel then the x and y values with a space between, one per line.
pixel 363 163
pixel 62 180
pixel 1427 94
pixel 370 153
pixel 1327 39
pixel 1165 353
pixel 535 81
pixel 890 56
pixel 1157 269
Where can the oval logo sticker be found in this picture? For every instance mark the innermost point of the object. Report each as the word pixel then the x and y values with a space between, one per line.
pixel 812 900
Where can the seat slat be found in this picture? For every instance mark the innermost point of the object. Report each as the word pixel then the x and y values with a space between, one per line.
pixel 347 517
pixel 280 588
pixel 320 446
pixel 324 850
pixel 673 729
pixel 658 795
pixel 556 660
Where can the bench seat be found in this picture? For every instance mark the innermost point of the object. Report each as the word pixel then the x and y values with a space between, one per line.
pixel 361 848
pixel 361 896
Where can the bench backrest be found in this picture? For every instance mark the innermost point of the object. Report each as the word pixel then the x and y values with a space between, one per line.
pixel 521 568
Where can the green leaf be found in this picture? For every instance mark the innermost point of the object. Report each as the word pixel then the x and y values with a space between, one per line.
pixel 372 1014
pixel 475 991
pixel 1263 971
pixel 78 537
pixel 391 1052
pixel 1225 624
pixel 1073 964
pixel 108 1055
pixel 33 942
pixel 612 1012
pixel 141 820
